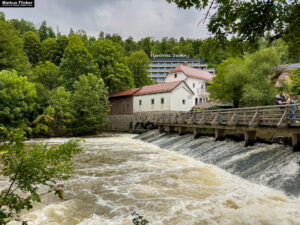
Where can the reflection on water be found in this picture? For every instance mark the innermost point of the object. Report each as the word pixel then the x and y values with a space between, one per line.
pixel 117 173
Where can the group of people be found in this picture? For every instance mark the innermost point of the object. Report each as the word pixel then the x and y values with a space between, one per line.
pixel 284 99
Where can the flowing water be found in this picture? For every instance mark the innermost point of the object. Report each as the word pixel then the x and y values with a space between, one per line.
pixel 175 180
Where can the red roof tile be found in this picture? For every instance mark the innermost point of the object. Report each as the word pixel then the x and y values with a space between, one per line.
pixel 192 72
pixel 158 88
pixel 123 93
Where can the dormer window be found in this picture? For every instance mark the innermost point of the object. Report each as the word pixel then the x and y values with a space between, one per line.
pixel 175 75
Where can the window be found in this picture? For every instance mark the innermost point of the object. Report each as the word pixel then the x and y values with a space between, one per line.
pixel 175 75
pixel 183 101
pixel 196 101
pixel 140 102
pixel 162 100
pixel 152 101
pixel 193 85
pixel 200 100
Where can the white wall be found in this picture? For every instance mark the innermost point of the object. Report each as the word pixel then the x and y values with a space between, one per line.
pixel 171 77
pixel 198 91
pixel 146 102
pixel 172 100
pixel 181 93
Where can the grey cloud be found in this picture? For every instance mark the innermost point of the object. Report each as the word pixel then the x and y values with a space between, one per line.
pixel 136 18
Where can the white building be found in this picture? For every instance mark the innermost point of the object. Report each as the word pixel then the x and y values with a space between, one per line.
pixel 196 79
pixel 167 96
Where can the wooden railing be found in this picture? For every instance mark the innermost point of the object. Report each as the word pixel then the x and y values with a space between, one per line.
pixel 280 116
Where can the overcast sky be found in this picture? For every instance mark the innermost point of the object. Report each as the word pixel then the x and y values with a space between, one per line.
pixel 136 18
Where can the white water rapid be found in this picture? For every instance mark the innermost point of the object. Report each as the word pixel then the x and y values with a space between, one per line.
pixel 117 173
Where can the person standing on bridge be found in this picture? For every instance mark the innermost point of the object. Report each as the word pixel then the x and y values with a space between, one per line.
pixel 293 108
pixel 281 100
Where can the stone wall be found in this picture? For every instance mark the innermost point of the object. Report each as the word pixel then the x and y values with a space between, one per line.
pixel 130 123
pixel 121 123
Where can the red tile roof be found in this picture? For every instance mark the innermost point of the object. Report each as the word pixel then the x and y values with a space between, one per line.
pixel 192 72
pixel 158 88
pixel 123 93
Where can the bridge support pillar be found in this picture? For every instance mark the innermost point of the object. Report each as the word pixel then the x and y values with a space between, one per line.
pixel 296 142
pixel 250 137
pixel 198 132
pixel 181 130
pixel 161 128
pixel 220 134
pixel 169 129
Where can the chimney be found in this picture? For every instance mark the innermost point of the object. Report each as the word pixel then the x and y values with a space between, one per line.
pixel 185 64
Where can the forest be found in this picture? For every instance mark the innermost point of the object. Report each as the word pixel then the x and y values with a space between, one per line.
pixel 69 76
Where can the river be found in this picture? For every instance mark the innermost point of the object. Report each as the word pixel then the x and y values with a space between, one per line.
pixel 117 173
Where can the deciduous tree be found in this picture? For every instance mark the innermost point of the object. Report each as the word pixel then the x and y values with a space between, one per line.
pixel 90 104
pixel 32 47
pixel 138 63
pixel 12 55
pixel 76 61
pixel 111 62
pixel 17 99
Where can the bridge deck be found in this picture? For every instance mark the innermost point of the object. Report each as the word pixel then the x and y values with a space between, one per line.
pixel 284 118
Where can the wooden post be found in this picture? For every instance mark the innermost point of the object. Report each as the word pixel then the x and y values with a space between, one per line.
pixel 250 137
pixel 198 132
pixel 161 128
pixel 296 142
pixel 181 130
pixel 169 129
pixel 220 134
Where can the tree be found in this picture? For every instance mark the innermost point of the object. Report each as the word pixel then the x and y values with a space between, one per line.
pixel 111 62
pixel 45 32
pixel 47 73
pixel 32 47
pixel 76 61
pixel 295 84
pixel 145 44
pixel 17 99
pixel 138 63
pixel 228 84
pixel 292 34
pixel 23 26
pixel 12 55
pixel 61 44
pixel 63 112
pixel 250 82
pixel 28 167
pixel 49 50
pixel 247 20
pixel 90 104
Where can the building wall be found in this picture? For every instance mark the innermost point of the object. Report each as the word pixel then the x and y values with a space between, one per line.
pixel 171 77
pixel 199 88
pixel 179 94
pixel 121 105
pixel 172 101
pixel 147 105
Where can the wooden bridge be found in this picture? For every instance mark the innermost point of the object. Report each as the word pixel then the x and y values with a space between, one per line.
pixel 283 119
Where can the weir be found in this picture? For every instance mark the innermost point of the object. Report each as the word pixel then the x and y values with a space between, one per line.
pixel 249 121
pixel 272 165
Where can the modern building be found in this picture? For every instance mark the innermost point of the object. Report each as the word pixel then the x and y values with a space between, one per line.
pixel 160 65
pixel 196 80
pixel 167 96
